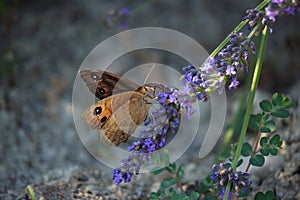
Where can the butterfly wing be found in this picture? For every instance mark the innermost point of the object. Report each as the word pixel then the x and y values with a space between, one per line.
pixel 117 116
pixel 103 84
pixel 123 104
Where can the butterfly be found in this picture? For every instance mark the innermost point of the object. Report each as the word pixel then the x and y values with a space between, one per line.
pixel 122 105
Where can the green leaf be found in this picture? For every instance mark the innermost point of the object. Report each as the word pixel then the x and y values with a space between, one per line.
pixel 286 103
pixel 279 144
pixel 265 130
pixel 257 160
pixel 153 195
pixel 274 151
pixel 172 191
pixel 263 141
pixel 259 196
pixel 268 196
pixel 225 154
pixel 239 162
pixel 271 125
pixel 246 149
pixel 157 171
pixel 168 182
pixel 265 151
pixel 275 140
pixel 171 168
pixel 228 164
pixel 202 187
pixel 179 197
pixel 266 117
pixel 155 157
pixel 180 172
pixel 281 113
pixel 194 195
pixel 266 105
pixel 243 193
pixel 161 192
pixel 254 121
pixel 277 99
pixel 164 157
pixel 209 197
pixel 207 180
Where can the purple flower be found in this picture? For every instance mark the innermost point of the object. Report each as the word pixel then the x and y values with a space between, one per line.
pixel 134 145
pixel 257 18
pixel 193 77
pixel 223 173
pixel 197 84
pixel 149 145
pixel 173 98
pixel 281 7
pixel 165 120
pixel 210 65
pixel 124 24
pixel 119 176
pixel 119 16
pixel 261 19
pixel 234 83
pixel 124 12
pixel 162 142
pixel 162 97
pixel 271 14
pixel 230 70
pixel 277 1
pixel 212 74
pixel 188 106
pixel 222 193
pixel 290 10
pixel 188 68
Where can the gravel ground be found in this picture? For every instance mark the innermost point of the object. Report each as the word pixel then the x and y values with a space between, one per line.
pixel 39 144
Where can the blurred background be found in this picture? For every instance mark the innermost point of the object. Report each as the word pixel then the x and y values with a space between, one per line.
pixel 42 45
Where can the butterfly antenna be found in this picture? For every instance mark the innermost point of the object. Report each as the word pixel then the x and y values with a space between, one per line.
pixel 148 75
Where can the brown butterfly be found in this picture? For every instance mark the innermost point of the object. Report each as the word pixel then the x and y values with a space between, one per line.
pixel 122 107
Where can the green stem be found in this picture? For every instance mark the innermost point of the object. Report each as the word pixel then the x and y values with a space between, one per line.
pixel 31 193
pixel 254 84
pixel 253 31
pixel 231 131
pixel 237 28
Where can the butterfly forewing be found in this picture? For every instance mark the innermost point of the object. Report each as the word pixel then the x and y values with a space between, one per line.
pixel 103 84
